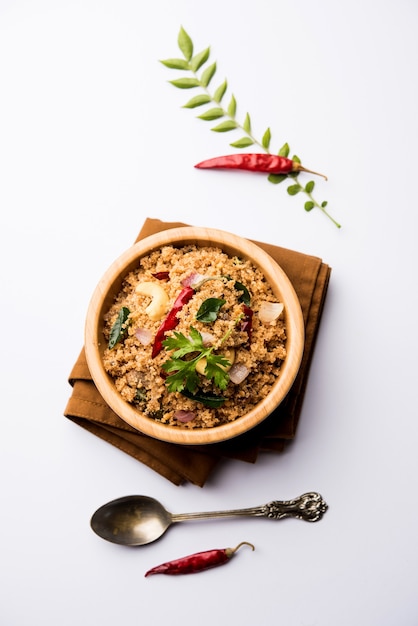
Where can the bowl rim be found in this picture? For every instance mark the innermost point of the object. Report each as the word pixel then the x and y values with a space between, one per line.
pixel 114 275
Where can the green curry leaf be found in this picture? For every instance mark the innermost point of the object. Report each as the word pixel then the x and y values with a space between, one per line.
pixel 276 178
pixel 119 328
pixel 224 127
pixel 207 75
pixel 266 139
pixel 220 92
pixel 197 101
pixel 185 44
pixel 209 400
pixel 176 64
pixel 284 150
pixel 185 83
pixel 199 59
pixel 244 142
pixel 212 114
pixel 209 309
pixel 245 296
pixel 232 107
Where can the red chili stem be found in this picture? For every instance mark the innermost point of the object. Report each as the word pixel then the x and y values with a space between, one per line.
pixel 197 562
pixel 171 320
pixel 297 167
pixel 266 163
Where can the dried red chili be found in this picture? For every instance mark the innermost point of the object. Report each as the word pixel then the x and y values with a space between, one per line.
pixel 247 321
pixel 162 275
pixel 171 320
pixel 267 163
pixel 197 562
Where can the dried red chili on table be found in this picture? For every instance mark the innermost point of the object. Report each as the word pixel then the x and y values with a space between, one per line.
pixel 267 163
pixel 197 562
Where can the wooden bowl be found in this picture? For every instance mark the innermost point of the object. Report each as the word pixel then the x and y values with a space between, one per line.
pixel 110 285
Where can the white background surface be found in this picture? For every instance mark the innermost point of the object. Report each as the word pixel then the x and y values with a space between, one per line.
pixel 93 140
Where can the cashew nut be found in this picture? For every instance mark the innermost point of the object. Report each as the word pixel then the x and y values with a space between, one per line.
pixel 228 354
pixel 159 299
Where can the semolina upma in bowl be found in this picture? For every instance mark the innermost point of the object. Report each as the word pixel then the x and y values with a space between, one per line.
pixel 194 335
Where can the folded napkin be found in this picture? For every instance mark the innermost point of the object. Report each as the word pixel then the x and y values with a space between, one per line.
pixel 181 463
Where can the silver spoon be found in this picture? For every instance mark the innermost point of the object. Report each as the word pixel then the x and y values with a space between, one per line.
pixel 138 520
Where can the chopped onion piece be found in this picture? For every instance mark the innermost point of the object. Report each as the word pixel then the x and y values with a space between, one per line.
pixel 192 279
pixel 270 311
pixel 144 336
pixel 238 373
pixel 207 338
pixel 184 416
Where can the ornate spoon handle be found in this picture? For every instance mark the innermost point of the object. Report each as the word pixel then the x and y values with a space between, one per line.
pixel 309 507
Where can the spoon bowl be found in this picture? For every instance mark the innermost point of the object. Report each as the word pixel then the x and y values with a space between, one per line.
pixel 132 520
pixel 138 520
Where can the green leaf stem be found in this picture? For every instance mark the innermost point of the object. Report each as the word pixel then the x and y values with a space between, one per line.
pixel 201 77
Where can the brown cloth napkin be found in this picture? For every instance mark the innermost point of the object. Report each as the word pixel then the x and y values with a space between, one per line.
pixel 179 463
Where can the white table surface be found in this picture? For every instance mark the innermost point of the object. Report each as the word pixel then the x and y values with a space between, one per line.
pixel 93 139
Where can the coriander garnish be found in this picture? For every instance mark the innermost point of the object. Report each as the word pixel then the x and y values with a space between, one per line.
pixel 182 372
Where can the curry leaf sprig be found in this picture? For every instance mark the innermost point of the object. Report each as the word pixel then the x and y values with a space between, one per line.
pixel 201 76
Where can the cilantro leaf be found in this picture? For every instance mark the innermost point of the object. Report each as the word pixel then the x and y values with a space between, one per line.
pixel 182 372
pixel 215 371
pixel 182 375
pixel 183 345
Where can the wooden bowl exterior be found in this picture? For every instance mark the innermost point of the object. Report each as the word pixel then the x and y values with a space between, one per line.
pixel 110 285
